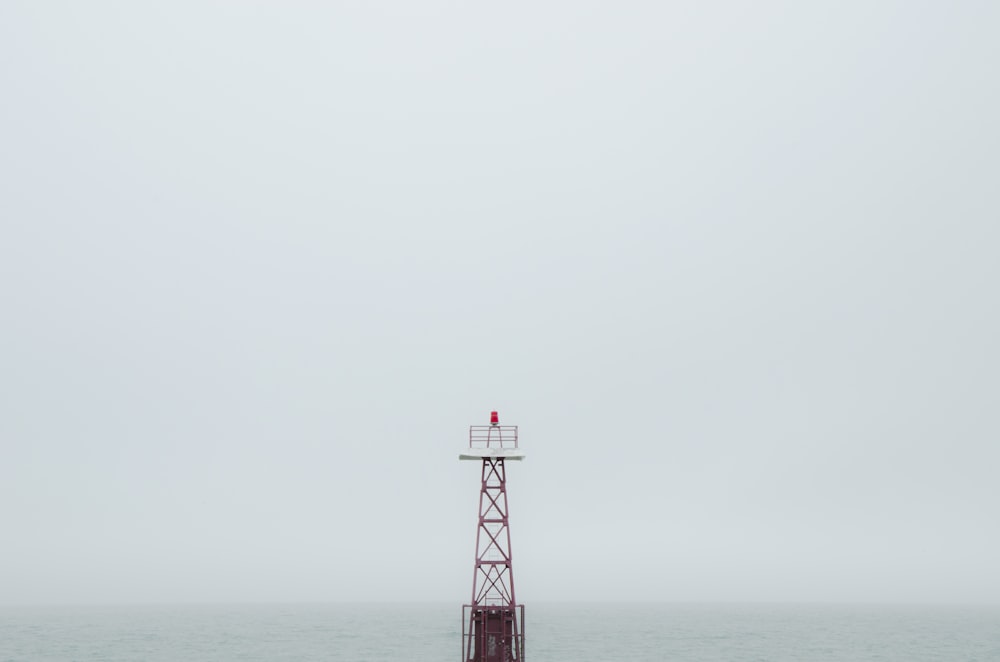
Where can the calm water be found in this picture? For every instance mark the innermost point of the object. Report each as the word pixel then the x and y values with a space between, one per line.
pixel 555 633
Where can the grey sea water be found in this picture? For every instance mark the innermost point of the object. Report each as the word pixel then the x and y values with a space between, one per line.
pixel 554 633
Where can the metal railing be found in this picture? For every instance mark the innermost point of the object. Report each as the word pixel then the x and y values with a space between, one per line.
pixel 492 436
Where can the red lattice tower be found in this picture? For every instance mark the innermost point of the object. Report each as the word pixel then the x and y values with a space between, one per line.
pixel 493 624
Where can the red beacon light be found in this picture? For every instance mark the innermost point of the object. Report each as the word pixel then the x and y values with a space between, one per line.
pixel 494 418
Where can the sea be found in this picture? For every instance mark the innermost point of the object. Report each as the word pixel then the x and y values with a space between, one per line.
pixel 599 632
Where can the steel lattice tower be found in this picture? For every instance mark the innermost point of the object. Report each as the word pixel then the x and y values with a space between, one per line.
pixel 493 623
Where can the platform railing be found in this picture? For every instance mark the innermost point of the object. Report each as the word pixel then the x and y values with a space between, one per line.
pixel 492 436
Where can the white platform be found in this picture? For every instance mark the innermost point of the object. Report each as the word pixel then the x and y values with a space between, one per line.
pixel 480 453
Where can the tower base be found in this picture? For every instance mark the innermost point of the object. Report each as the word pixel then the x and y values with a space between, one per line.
pixel 493 633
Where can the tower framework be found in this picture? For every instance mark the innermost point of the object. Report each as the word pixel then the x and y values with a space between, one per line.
pixel 493 623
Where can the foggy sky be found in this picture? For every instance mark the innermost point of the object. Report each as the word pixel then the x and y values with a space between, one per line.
pixel 732 267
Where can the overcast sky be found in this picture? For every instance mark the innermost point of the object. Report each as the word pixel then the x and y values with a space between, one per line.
pixel 733 268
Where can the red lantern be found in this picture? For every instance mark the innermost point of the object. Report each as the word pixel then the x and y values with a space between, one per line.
pixel 494 418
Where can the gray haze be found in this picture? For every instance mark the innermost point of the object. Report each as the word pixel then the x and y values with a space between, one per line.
pixel 732 267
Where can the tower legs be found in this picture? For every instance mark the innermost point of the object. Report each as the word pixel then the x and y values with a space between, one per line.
pixel 492 626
